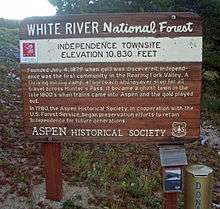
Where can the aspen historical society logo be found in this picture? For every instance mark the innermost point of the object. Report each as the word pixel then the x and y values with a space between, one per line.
pixel 29 49
pixel 28 52
pixel 179 129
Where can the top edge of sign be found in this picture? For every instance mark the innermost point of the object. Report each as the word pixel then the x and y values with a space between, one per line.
pixel 178 14
pixel 161 24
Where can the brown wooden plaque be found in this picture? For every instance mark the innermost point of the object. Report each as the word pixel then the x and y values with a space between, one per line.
pixel 115 78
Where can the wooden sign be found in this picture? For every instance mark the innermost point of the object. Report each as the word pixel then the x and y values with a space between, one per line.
pixel 115 78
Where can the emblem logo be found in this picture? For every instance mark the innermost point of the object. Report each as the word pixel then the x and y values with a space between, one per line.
pixel 179 129
pixel 29 50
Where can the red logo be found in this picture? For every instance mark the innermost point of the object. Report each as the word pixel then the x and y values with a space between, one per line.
pixel 29 50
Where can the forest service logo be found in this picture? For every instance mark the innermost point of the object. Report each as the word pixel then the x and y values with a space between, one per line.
pixel 179 129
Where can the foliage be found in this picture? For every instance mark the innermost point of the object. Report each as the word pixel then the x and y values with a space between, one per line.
pixel 181 201
pixel 11 24
pixel 211 109
pixel 111 168
pixel 70 204
pixel 152 202
pixel 211 97
pixel 211 82
pixel 9 36
pixel 9 51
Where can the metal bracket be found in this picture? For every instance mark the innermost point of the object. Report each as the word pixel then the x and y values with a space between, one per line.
pixel 173 156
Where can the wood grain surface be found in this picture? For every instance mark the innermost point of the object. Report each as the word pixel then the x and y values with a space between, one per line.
pixel 149 97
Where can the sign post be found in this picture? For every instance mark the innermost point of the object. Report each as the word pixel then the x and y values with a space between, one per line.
pixel 112 78
pixel 53 170
pixel 170 200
